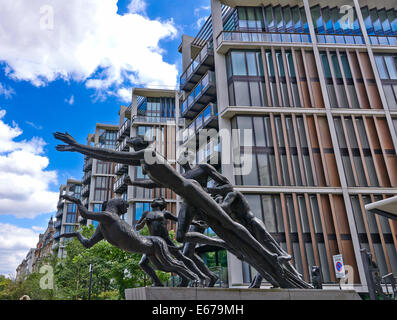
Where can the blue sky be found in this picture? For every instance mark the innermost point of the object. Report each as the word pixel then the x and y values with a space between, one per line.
pixel 68 77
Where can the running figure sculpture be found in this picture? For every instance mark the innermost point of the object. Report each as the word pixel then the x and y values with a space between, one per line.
pixel 232 233
pixel 121 235
pixel 157 225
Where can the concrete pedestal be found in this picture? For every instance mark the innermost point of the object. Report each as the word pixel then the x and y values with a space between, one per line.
pixel 167 293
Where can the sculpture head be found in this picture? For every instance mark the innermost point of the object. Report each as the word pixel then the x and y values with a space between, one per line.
pixel 186 158
pixel 119 206
pixel 159 203
pixel 138 143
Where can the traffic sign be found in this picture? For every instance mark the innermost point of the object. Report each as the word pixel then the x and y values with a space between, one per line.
pixel 339 266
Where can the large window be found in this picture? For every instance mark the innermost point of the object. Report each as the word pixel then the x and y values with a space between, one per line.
pixel 387 68
pixel 246 80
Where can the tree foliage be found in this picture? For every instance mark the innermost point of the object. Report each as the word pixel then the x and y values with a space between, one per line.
pixel 114 270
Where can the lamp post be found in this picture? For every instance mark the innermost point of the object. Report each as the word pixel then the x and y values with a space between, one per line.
pixel 89 290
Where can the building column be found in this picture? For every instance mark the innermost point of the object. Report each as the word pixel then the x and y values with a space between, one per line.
pixel 335 143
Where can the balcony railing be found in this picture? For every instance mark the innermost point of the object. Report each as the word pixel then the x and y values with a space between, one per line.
pixel 122 146
pixel 203 93
pixel 88 165
pixel 207 118
pixel 85 191
pixel 120 185
pixel 58 224
pixel 87 177
pixel 257 37
pixel 59 213
pixel 195 70
pixel 60 204
pixel 341 39
pixel 120 169
pixel 383 40
pixel 156 120
pixel 124 130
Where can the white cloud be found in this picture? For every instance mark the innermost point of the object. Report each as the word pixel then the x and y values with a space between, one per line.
pixel 33 125
pixel 137 6
pixel 24 182
pixel 125 94
pixel 87 42
pixel 70 101
pixel 7 92
pixel 15 243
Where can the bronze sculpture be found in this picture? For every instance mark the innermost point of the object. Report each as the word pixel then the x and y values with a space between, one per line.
pixel 156 223
pixel 121 235
pixel 232 233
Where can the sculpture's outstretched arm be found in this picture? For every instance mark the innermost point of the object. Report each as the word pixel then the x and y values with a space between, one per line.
pixel 87 243
pixel 170 216
pixel 215 175
pixel 141 222
pixel 147 184
pixel 129 158
pixel 96 216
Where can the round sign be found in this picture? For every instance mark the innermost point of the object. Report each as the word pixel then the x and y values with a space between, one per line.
pixel 339 266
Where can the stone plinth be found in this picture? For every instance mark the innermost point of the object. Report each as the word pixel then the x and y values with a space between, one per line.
pixel 168 293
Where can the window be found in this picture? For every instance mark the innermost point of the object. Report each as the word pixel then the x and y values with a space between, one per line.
pixel 387 68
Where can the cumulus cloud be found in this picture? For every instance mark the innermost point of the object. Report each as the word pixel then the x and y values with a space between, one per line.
pixel 24 182
pixel 15 243
pixel 7 92
pixel 84 40
pixel 137 6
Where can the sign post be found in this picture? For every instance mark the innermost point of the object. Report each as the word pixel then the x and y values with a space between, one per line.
pixel 339 267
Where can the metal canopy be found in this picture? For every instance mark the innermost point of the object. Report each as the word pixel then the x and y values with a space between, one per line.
pixel 386 208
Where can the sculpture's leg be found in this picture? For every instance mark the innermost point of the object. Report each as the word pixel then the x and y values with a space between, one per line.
pixel 256 283
pixel 144 264
pixel 204 269
pixel 188 262
pixel 185 218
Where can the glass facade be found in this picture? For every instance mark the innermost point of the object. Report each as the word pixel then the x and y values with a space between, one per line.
pixel 381 25
pixel 157 108
pixel 387 69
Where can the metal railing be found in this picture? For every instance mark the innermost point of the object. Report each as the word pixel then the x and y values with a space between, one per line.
pixel 87 177
pixel 120 183
pixel 88 164
pixel 122 146
pixel 85 190
pixel 124 130
pixel 120 167
pixel 206 81
pixel 252 36
pixel 207 50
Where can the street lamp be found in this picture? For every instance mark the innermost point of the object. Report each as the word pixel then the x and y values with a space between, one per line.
pixel 89 290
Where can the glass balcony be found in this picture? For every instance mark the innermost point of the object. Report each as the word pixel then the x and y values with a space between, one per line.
pixel 86 191
pixel 124 131
pixel 136 120
pixel 120 185
pixel 87 164
pixel 202 94
pixel 59 213
pixel 60 204
pixel 87 177
pixel 383 40
pixel 340 39
pixel 199 66
pixel 122 146
pixel 258 37
pixel 120 169
pixel 58 224
pixel 208 118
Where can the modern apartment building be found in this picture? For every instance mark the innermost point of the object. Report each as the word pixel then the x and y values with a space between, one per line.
pixel 153 113
pixel 99 175
pixel 67 216
pixel 314 84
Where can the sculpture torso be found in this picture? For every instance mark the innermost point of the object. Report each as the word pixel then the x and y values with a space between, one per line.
pixel 156 223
